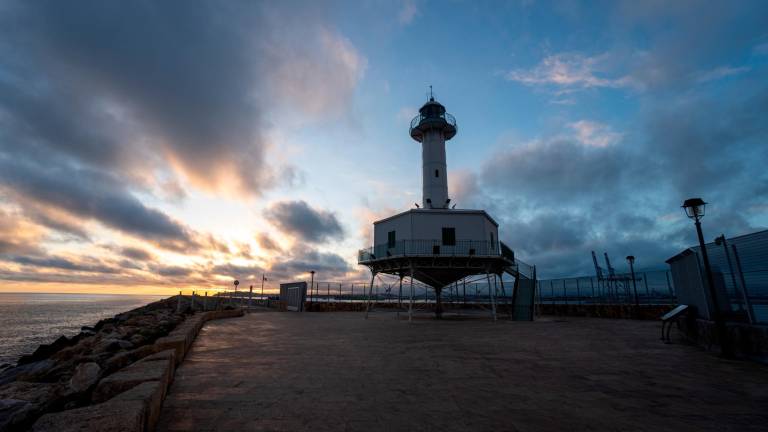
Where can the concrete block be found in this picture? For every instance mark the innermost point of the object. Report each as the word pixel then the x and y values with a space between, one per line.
pixel 176 343
pixel 151 394
pixel 117 416
pixel 132 376
pixel 168 356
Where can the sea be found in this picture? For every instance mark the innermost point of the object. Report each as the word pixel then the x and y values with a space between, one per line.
pixel 30 319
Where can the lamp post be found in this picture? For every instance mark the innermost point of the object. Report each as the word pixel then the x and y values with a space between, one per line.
pixel 263 278
pixel 311 284
pixel 631 261
pixel 694 209
pixel 236 283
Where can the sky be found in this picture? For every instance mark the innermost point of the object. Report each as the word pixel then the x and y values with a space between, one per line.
pixel 148 147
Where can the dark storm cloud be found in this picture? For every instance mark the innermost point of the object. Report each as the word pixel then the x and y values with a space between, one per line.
pixel 558 200
pixel 298 219
pixel 95 80
pixel 91 194
pixel 556 171
pixel 326 265
pixel 64 264
pixel 136 253
pixel 267 243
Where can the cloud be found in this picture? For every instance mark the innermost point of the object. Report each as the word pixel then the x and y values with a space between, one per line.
pixel 18 235
pixel 317 75
pixel 298 219
pixel 267 243
pixel 555 171
pixel 95 266
pixel 594 134
pixel 408 12
pixel 137 87
pixel 720 72
pixel 327 265
pixel 136 253
pixel 559 197
pixel 91 194
pixel 570 71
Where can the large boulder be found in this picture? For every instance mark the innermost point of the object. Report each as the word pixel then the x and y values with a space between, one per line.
pixel 86 376
pixel 15 414
pixel 21 402
pixel 26 372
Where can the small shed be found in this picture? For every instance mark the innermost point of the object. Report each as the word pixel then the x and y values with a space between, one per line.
pixel 690 283
pixel 293 295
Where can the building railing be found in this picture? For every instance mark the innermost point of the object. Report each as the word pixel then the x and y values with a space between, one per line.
pixel 451 120
pixel 428 248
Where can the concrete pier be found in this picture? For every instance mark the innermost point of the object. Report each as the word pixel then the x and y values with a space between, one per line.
pixel 335 371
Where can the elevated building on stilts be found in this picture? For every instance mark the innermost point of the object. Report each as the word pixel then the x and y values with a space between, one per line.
pixel 437 244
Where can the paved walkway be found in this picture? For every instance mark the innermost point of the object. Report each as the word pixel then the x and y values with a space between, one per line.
pixel 336 371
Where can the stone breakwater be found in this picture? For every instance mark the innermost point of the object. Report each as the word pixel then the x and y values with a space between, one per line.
pixel 112 376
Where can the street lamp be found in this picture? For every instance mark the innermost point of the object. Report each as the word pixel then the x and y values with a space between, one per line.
pixel 694 209
pixel 236 283
pixel 631 261
pixel 311 285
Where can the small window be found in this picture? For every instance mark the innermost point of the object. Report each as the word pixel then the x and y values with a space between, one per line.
pixel 437 173
pixel 449 236
pixel 391 239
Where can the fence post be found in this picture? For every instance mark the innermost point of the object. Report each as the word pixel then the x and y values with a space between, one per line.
pixel 645 279
pixel 750 312
pixel 565 293
pixel 578 292
pixel 205 302
pixel 328 295
pixel 552 299
pixel 669 286
pixel 592 284
pixel 178 307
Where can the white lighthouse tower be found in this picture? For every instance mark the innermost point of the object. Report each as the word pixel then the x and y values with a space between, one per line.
pixel 432 128
pixel 438 244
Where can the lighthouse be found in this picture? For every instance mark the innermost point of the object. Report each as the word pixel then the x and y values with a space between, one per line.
pixel 432 128
pixel 436 243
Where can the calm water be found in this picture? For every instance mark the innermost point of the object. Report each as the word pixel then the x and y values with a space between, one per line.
pixel 28 320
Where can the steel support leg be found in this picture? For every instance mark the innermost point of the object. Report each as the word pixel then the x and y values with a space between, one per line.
pixel 410 305
pixel 493 297
pixel 370 292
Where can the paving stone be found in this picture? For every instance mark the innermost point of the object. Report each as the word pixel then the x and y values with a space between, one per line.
pixel 336 371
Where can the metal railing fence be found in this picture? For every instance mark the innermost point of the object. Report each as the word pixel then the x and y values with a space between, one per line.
pixel 429 248
pixel 652 287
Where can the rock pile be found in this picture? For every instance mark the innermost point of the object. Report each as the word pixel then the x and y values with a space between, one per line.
pixel 64 374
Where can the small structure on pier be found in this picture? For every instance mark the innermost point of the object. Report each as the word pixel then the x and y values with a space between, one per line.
pixel 435 243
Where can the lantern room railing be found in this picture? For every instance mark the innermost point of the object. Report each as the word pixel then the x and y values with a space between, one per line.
pixel 445 116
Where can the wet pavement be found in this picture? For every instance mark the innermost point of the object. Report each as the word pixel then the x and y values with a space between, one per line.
pixel 273 371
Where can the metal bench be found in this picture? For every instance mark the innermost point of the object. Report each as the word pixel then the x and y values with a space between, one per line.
pixel 669 318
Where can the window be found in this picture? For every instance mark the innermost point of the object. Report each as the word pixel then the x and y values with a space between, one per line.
pixel 491 239
pixel 391 239
pixel 437 173
pixel 449 236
